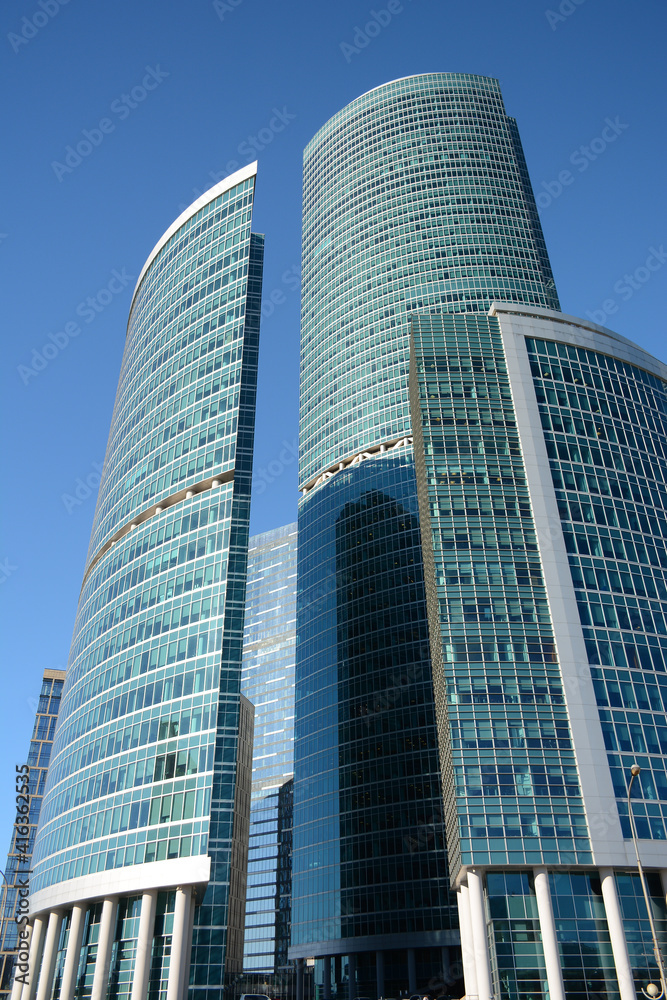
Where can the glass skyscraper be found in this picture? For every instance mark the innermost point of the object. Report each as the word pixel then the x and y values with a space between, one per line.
pixel 139 865
pixel 19 856
pixel 416 198
pixel 541 453
pixel 268 682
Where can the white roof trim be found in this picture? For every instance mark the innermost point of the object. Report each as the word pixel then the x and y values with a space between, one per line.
pixel 224 185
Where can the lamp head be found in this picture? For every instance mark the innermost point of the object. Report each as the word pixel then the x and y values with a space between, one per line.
pixel 652 990
pixel 634 771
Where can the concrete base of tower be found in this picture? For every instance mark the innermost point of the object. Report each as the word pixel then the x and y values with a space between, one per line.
pixel 93 926
pixel 523 908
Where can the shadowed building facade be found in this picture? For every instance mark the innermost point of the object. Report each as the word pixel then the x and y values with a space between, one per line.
pixel 140 858
pixel 416 197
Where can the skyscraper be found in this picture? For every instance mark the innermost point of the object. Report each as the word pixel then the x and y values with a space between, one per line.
pixel 268 682
pixel 19 856
pixel 416 197
pixel 140 846
pixel 541 452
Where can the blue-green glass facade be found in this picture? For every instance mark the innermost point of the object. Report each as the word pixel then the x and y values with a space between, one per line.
pixel 268 682
pixel 510 426
pixel 416 197
pixel 144 762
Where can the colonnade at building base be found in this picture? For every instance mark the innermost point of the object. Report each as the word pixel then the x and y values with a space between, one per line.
pixel 476 927
pixel 45 933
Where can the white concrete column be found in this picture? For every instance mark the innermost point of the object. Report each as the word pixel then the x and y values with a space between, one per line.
pixel 479 936
pixel 18 984
pixel 548 932
pixel 142 965
pixel 73 953
pixel 50 954
pixel 185 981
pixel 178 942
pixel 36 946
pixel 619 945
pixel 105 941
pixel 467 947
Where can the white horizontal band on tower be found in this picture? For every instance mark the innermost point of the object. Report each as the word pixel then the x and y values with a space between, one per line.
pixel 128 880
pixel 370 452
pixel 187 493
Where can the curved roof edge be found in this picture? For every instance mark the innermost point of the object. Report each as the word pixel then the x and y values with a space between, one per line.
pixel 389 83
pixel 414 76
pixel 224 185
pixel 650 363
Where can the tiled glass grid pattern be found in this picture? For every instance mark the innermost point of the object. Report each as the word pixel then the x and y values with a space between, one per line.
pixel 267 680
pixel 605 427
pixel 39 753
pixel 586 958
pixel 369 855
pixel 517 958
pixel 61 950
pixel 416 196
pixel 175 412
pixel 517 791
pixel 124 949
pixel 147 748
pixel 284 872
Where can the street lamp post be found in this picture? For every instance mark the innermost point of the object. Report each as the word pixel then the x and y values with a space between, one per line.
pixel 651 990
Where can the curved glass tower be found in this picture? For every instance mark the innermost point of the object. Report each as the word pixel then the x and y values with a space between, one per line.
pixel 144 820
pixel 416 197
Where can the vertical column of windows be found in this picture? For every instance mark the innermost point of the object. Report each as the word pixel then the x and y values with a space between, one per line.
pixel 368 828
pixel 605 427
pixel 517 791
pixel 268 682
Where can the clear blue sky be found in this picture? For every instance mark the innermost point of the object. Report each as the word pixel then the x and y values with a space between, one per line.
pixel 212 79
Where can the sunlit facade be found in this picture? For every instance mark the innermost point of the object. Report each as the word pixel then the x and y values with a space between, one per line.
pixel 139 866
pixel 416 197
pixel 19 856
pixel 541 455
pixel 268 682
